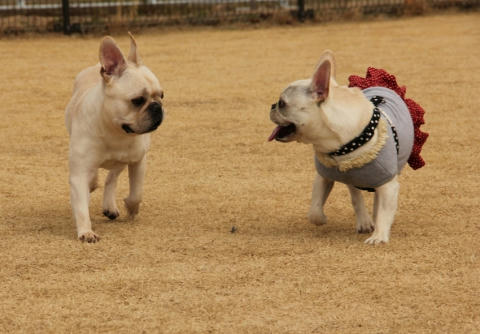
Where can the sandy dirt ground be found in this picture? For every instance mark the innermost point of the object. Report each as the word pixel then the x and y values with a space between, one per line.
pixel 177 268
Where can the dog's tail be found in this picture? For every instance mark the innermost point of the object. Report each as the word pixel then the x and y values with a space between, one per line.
pixel 379 77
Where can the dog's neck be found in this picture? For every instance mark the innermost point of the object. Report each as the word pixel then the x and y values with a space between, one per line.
pixel 363 138
pixel 360 150
pixel 96 120
pixel 359 157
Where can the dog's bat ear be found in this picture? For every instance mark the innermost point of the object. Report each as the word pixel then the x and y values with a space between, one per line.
pixel 111 59
pixel 133 55
pixel 320 85
pixel 328 54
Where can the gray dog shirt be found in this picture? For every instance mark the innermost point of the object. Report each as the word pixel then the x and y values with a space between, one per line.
pixel 388 162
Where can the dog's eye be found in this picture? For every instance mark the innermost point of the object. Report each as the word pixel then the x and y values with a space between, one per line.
pixel 281 104
pixel 138 101
pixel 162 95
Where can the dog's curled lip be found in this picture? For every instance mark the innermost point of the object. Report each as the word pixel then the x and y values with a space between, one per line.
pixel 283 132
pixel 155 126
pixel 127 128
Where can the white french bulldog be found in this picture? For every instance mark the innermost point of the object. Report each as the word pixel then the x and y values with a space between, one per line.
pixel 114 107
pixel 352 141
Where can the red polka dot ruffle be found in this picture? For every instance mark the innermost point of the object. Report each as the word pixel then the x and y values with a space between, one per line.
pixel 379 77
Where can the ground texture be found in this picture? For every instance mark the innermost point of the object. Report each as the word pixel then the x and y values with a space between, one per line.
pixel 178 268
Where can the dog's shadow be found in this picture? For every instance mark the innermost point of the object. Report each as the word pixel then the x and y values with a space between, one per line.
pixel 294 226
pixel 59 222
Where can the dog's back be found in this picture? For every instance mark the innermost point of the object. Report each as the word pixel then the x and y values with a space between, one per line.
pixel 86 79
pixel 396 112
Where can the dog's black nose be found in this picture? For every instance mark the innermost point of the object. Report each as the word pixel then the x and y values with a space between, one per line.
pixel 156 113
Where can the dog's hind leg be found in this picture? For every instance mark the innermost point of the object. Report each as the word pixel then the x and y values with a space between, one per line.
pixel 386 201
pixel 321 189
pixel 93 184
pixel 136 174
pixel 110 208
pixel 364 221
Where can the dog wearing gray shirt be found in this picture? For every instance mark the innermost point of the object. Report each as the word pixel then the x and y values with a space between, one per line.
pixel 362 138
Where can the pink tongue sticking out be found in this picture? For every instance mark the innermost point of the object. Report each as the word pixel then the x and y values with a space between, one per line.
pixel 274 133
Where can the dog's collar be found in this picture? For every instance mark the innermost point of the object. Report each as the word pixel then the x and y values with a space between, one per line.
pixel 366 134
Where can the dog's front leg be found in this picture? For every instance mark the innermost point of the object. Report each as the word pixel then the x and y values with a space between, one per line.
pixel 110 209
pixel 321 189
pixel 80 181
pixel 386 200
pixel 136 174
pixel 364 221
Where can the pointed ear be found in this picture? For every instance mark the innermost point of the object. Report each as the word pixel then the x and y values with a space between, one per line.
pixel 133 55
pixel 320 85
pixel 111 59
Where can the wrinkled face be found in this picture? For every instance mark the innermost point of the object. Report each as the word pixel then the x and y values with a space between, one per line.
pixel 318 111
pixel 133 101
pixel 297 114
pixel 303 111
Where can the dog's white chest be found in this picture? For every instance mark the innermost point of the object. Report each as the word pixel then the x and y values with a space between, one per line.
pixel 121 158
pixel 124 154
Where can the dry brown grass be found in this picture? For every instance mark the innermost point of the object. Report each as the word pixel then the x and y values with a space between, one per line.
pixel 177 268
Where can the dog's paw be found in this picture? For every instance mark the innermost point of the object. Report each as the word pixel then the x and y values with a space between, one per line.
pixel 132 207
pixel 111 214
pixel 317 218
pixel 376 239
pixel 365 225
pixel 89 237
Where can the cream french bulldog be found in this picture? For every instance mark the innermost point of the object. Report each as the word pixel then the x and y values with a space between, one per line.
pixel 115 106
pixel 360 138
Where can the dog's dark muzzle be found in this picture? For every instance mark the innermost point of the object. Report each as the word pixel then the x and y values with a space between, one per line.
pixel 155 111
